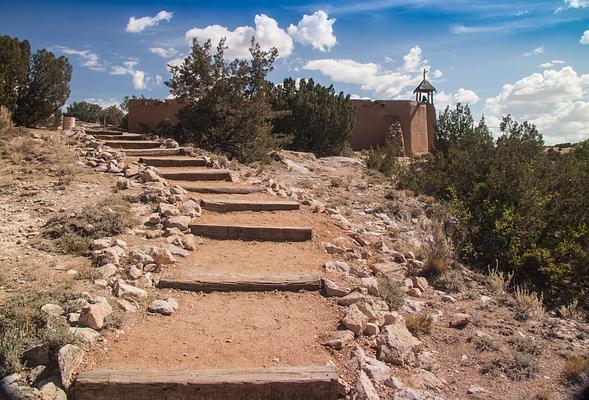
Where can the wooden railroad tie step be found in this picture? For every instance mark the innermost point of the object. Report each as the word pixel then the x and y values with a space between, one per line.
pixel 251 282
pixel 277 383
pixel 199 175
pixel 174 161
pixel 153 152
pixel 229 189
pixel 133 144
pixel 248 232
pixel 127 136
pixel 103 132
pixel 248 205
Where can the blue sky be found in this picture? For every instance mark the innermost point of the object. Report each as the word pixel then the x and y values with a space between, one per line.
pixel 527 58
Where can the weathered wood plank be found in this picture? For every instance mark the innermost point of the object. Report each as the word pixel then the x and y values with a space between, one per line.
pixel 278 383
pixel 251 282
pixel 153 152
pixel 174 161
pixel 103 132
pixel 233 189
pixel 127 136
pixel 202 175
pixel 245 232
pixel 133 144
pixel 248 205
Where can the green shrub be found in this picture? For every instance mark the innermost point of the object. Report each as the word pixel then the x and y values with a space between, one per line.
pixel 385 159
pixel 391 292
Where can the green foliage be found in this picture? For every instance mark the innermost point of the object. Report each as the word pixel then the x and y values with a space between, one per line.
pixel 316 117
pixel 45 90
pixel 84 111
pixel 226 105
pixel 519 208
pixel 14 66
pixel 385 159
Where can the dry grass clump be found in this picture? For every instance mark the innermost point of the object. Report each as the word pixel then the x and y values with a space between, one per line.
pixel 23 325
pixel 74 232
pixel 528 305
pixel 5 118
pixel 391 292
pixel 571 311
pixel 520 366
pixel 438 251
pixel 575 368
pixel 543 394
pixel 499 280
pixel 420 323
pixel 21 148
pixel 526 345
pixel 484 343
pixel 450 280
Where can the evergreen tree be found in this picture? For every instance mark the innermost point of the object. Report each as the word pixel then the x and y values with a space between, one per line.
pixel 84 111
pixel 14 66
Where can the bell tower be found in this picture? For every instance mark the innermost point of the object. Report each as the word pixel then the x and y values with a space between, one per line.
pixel 424 92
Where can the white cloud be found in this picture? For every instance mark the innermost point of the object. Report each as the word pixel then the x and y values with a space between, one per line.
pixel 139 78
pixel 162 52
pixel 267 33
pixel 159 80
pixel 372 77
pixel 104 103
pixel 137 25
pixel 463 96
pixel 585 38
pixel 576 3
pixel 550 64
pixel 537 51
pixel 316 30
pixel 358 97
pixel 89 60
pixel 554 101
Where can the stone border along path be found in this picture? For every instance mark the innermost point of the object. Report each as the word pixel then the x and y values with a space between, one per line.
pixel 312 382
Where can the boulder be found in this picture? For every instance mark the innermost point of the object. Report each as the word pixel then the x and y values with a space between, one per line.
pixel 93 315
pixel 396 345
pixel 139 257
pixel 365 389
pixel 124 290
pixel 50 391
pixel 340 339
pixel 86 336
pixel 351 298
pixel 69 358
pixel 123 183
pixel 420 283
pixel 377 370
pixel 164 307
pixel 355 320
pixel 52 309
pixel 331 289
pixel 180 222
pixel 371 284
pixel 168 210
pixel 107 270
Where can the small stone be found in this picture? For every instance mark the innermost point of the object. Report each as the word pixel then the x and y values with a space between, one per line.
pixel 449 299
pixel 123 289
pixel 371 329
pixel 474 389
pixel 108 270
pixel 50 391
pixel 86 336
pixel 161 307
pixel 127 306
pixel 365 389
pixel 332 289
pixel 122 183
pixel 180 222
pixel 93 315
pixel 414 292
pixel 69 358
pixel 355 320
pixel 420 283
pixel 134 272
pixel 376 370
pixel 371 284
pixel 341 339
pixel 52 309
pixel 337 266
pixel 459 320
pixel 101 283
pixel 351 298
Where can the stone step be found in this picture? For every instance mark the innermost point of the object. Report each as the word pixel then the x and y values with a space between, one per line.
pixel 174 161
pixel 275 383
pixel 257 233
pixel 103 132
pixel 133 144
pixel 126 136
pixel 197 175
pixel 228 189
pixel 248 205
pixel 250 282
pixel 155 152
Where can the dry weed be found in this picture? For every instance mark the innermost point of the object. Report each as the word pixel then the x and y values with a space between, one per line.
pixel 528 304
pixel 571 311
pixel 499 280
pixel 438 251
pixel 5 118
pixel 391 292
pixel 420 323
pixel 520 366
pixel 575 368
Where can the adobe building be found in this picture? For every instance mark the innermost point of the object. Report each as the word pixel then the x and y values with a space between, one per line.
pixel 409 121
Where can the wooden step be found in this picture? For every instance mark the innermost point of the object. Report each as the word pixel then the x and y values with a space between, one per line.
pixel 174 161
pixel 275 383
pixel 103 132
pixel 133 144
pixel 126 136
pixel 248 205
pixel 197 175
pixel 154 152
pixel 259 233
pixel 251 282
pixel 229 189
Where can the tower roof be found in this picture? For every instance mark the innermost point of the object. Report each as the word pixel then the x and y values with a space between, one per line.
pixel 425 86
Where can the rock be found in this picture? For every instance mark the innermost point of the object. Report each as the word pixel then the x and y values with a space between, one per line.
pixel 398 257
pixel 378 371
pixel 396 344
pixel 420 283
pixel 101 283
pixel 110 255
pixel 337 266
pixel 367 310
pixel 37 355
pixel 365 389
pixel 50 391
pixel 474 389
pixel 168 210
pixel 131 171
pixel 123 289
pixel 139 257
pixel 371 284
pixel 69 358
pixel 101 244
pixel 93 315
pixel 149 175
pixel 86 336
pixel 108 270
pixel 407 393
pixel 180 222
pixel 355 320
pixel 331 249
pixel 134 272
pixel 331 289
pixel 123 183
pixel 127 306
pixel 371 329
pixel 188 242
pixel 177 251
pixel 459 320
pixel 52 309
pixel 341 339
pixel 449 299
pixel 190 208
pixel 427 380
pixel 351 298
pixel 414 292
pixel 164 257
pixel 161 307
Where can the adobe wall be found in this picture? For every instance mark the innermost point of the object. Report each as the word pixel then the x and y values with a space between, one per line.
pixel 373 117
pixel 145 113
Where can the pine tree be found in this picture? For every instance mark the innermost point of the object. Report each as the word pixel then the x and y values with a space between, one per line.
pixel 14 66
